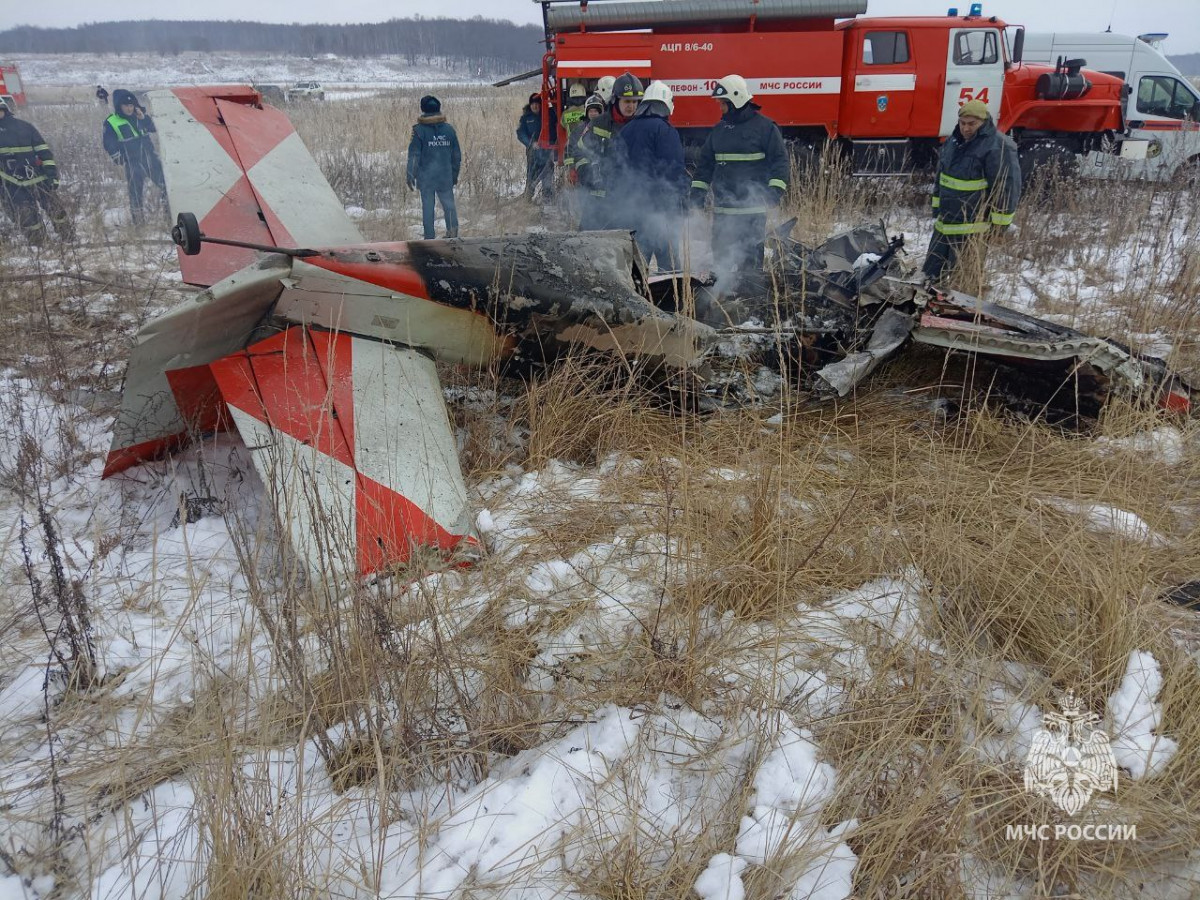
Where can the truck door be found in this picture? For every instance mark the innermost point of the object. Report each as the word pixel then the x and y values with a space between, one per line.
pixel 974 71
pixel 884 83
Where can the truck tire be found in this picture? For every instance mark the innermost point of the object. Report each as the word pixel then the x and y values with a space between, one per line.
pixel 1046 161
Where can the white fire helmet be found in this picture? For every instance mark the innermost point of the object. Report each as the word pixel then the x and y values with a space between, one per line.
pixel 734 89
pixel 577 90
pixel 658 90
pixel 604 87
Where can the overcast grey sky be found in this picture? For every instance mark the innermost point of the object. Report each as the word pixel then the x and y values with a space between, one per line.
pixel 1181 18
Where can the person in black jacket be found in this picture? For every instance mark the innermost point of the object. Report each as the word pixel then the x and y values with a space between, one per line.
pixel 539 162
pixel 434 159
pixel 597 163
pixel 29 180
pixel 127 140
pixel 977 189
pixel 101 95
pixel 745 164
pixel 649 196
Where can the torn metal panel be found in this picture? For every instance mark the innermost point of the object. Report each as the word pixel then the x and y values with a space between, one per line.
pixel 152 420
pixel 888 335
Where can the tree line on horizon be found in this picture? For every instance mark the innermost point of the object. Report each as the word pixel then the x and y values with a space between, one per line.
pixel 490 44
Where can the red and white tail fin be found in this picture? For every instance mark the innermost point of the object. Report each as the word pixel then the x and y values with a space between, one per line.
pixel 243 171
pixel 352 439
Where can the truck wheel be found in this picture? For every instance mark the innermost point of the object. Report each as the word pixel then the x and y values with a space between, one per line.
pixel 1046 162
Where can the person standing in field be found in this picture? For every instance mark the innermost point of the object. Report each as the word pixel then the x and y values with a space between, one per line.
pixel 434 160
pixel 127 141
pixel 101 95
pixel 745 164
pixel 29 180
pixel 596 161
pixel 651 189
pixel 977 189
pixel 582 197
pixel 539 162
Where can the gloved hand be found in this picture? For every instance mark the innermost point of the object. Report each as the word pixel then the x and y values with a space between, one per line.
pixel 774 195
pixel 697 197
pixel 410 181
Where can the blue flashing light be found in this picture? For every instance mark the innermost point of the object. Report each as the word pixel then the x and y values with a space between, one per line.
pixel 952 11
pixel 977 9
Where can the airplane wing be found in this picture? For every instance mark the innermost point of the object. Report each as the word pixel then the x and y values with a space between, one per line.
pixel 240 167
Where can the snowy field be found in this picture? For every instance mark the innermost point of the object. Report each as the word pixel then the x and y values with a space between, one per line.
pixel 786 654
pixel 47 75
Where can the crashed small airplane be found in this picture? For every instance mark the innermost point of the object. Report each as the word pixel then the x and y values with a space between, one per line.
pixel 320 348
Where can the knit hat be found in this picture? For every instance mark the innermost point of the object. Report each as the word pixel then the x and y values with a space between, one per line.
pixel 976 109
pixel 121 96
pixel 430 105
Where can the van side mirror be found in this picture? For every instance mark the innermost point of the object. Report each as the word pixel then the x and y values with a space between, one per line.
pixel 1018 50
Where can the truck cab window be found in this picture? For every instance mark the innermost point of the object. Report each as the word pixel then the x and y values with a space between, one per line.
pixel 1163 95
pixel 885 48
pixel 976 48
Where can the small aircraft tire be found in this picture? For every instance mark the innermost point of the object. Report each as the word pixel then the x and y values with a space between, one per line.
pixel 186 234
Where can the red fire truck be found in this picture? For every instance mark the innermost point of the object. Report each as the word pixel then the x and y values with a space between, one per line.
pixel 886 90
pixel 10 84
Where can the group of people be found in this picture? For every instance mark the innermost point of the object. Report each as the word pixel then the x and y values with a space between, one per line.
pixel 29 176
pixel 626 162
pixel 623 158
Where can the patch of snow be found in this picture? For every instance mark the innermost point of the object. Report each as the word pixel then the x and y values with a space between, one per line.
pixel 1136 716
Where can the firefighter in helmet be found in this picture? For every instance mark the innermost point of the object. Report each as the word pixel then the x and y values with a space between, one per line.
pixel 744 163
pixel 652 187
pixel 977 190
pixel 581 197
pixel 29 180
pixel 604 88
pixel 127 140
pixel 574 112
pixel 595 161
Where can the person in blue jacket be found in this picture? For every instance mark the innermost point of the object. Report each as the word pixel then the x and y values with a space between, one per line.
pixel 652 177
pixel 434 160
pixel 539 162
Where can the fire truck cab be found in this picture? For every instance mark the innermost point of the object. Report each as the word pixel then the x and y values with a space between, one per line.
pixel 885 90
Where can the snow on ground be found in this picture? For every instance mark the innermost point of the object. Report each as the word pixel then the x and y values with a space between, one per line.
pixel 142 71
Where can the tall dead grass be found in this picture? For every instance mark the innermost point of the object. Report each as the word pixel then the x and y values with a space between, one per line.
pixel 762 521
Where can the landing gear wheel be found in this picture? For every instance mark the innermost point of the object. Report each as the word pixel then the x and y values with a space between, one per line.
pixel 186 234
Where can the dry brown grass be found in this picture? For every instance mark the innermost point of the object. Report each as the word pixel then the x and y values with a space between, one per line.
pixel 754 527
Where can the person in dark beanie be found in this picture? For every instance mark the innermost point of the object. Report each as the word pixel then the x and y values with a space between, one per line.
pixel 434 160
pixel 127 140
pixel 29 179
pixel 101 95
pixel 539 163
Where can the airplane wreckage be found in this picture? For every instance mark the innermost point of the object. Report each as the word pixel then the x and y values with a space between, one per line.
pixel 319 348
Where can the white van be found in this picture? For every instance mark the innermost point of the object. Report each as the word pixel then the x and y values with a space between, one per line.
pixel 1162 108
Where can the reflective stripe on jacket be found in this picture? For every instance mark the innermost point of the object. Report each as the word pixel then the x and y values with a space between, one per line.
pixel 978 182
pixel 25 157
pixel 742 158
